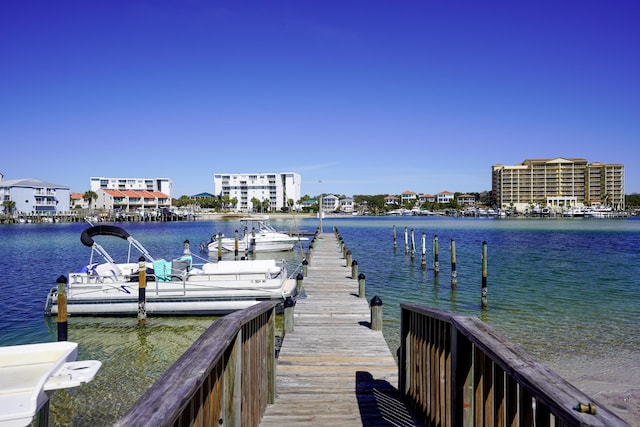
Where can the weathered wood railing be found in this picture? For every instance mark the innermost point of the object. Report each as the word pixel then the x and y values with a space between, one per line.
pixel 226 377
pixel 455 370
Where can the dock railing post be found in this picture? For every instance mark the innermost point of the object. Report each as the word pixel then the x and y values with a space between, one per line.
pixel 354 269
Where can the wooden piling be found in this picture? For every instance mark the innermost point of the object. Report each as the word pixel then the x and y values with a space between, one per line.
pixel 219 246
pixel 305 267
pixel 142 289
pixel 406 240
pixel 252 244
pixel 423 259
pixel 289 306
pixel 454 273
pixel 354 269
pixel 395 243
pixel 299 279
pixel 361 287
pixel 62 308
pixel 436 262
pixel 413 245
pixel 235 245
pixel 484 274
pixel 376 313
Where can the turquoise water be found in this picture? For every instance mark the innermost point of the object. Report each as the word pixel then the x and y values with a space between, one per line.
pixel 567 290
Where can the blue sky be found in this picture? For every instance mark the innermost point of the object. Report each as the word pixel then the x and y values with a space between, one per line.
pixel 369 97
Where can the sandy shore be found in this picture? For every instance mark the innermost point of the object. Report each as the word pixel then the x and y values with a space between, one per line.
pixel 613 386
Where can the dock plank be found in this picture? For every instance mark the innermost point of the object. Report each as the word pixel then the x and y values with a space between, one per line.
pixel 333 369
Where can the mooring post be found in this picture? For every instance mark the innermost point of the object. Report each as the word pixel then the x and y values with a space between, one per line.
pixel 305 267
pixel 349 258
pixel 413 245
pixel 436 263
pixel 219 246
pixel 62 308
pixel 376 313
pixel 299 278
pixel 252 245
pixel 354 269
pixel 406 240
pixel 395 243
pixel 361 285
pixel 423 259
pixel 484 274
pixel 245 238
pixel 289 305
pixel 454 273
pixel 142 289
pixel 235 245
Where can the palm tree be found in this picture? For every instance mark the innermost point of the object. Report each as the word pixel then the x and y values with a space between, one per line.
pixel 9 206
pixel 89 197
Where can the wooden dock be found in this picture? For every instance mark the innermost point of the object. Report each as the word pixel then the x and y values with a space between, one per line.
pixel 333 369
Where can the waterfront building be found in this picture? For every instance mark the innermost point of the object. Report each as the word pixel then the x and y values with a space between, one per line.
pixel 330 203
pixel 408 197
pixel 78 201
pixel 34 196
pixel 347 205
pixel 426 198
pixel 391 200
pixel 131 200
pixel 162 185
pixel 277 188
pixel 466 200
pixel 558 184
pixel 445 197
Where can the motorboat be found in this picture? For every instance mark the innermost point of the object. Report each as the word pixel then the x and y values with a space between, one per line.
pixel 599 212
pixel 257 236
pixel 30 372
pixel 178 286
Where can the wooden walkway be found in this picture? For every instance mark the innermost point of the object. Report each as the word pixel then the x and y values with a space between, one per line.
pixel 332 368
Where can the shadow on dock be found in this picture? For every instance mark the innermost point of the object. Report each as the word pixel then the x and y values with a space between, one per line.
pixel 380 403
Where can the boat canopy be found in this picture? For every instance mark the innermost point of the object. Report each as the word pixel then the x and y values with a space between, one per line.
pixel 102 230
pixel 111 230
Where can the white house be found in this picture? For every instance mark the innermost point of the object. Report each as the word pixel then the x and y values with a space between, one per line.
pixel 35 196
pixel 330 203
pixel 445 197
pixel 346 205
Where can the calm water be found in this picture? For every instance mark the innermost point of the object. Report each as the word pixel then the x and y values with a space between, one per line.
pixel 567 290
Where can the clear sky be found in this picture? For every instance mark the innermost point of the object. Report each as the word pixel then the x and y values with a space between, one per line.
pixel 369 97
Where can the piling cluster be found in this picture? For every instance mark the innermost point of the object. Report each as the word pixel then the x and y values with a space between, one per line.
pixel 410 250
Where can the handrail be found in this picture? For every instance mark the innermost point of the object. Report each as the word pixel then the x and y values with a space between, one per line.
pixel 455 370
pixel 226 377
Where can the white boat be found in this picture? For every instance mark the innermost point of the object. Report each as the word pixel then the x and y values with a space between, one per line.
pixel 179 286
pixel 257 236
pixel 575 212
pixel 599 212
pixel 28 373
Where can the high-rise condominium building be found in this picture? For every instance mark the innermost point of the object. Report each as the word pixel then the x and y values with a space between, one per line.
pixel 558 183
pixel 277 188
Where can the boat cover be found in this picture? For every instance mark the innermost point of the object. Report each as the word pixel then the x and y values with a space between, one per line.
pixel 102 230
